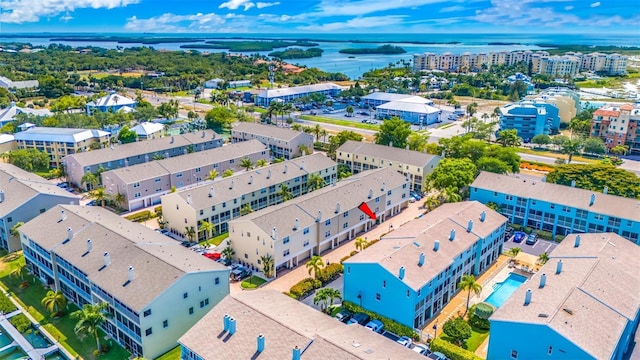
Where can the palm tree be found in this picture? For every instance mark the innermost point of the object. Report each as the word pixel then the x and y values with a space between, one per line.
pixel 19 271
pixel 324 134
pixel 246 163
pixel 571 147
pixel 228 253
pixel 349 110
pixel 99 195
pixel 334 294
pixel 304 149
pixel 212 175
pixel 90 180
pixel 14 229
pixel 315 182
pixel 267 265
pixel 206 227
pixel 543 258
pixel 119 199
pixel 227 173
pixel 469 284
pixel 190 232
pixel 316 131
pixel 246 209
pixel 296 127
pixel 451 195
pixel 322 298
pixel 315 265
pixel 53 301
pixel 514 251
pixel 431 203
pixel 361 243
pixel 285 193
pixel 261 162
pixel 90 318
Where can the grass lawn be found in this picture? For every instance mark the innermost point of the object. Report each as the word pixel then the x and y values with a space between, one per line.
pixel 332 121
pixel 216 240
pixel 173 354
pixel 545 152
pixel 472 343
pixel 62 327
pixel 253 282
pixel 444 126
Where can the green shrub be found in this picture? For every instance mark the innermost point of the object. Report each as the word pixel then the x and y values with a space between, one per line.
pixel 6 306
pixel 390 325
pixel 451 351
pixel 290 295
pixel 353 253
pixel 344 259
pixel 21 322
pixel 546 235
pixel 559 238
pixel 516 227
pixel 139 217
pixel 482 310
pixel 158 210
pixel 527 230
pixel 369 243
pixel 479 323
pixel 330 273
pixel 305 287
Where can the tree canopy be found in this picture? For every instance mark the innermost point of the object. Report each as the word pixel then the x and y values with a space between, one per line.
pixel 127 135
pixel 455 173
pixel 595 177
pixel 393 131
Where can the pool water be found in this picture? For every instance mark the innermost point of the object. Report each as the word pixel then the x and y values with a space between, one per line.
pixel 502 291
pixel 4 339
pixel 56 356
pixel 13 353
pixel 35 338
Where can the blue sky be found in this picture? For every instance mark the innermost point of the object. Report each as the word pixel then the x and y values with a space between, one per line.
pixel 319 16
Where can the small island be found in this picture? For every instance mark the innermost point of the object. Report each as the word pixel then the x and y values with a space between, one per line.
pixel 384 50
pixel 296 53
pixel 247 46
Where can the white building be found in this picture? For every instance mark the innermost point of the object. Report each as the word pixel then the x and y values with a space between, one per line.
pixel 8 114
pixel 289 94
pixel 148 130
pixel 112 102
pixel 10 84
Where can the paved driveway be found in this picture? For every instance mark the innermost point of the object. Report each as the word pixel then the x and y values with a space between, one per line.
pixel 337 284
pixel 541 246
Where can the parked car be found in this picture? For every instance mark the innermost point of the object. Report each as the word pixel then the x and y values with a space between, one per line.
pixel 415 195
pixel 91 203
pixel 508 232
pixel 405 341
pixel 62 185
pixel 239 273
pixel 452 117
pixel 358 318
pixel 437 356
pixel 519 236
pixel 375 325
pixel 163 231
pixel 421 349
pixel 531 239
pixel 344 315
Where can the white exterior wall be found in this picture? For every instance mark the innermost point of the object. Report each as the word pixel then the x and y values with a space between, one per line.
pixel 178 214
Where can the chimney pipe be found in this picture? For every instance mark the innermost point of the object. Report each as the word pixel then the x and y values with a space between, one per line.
pixel 370 193
pixel 172 139
pixel 203 134
pixel 131 273
pixel 527 297
pixel 89 245
pixel 285 169
pixel 296 224
pixel 452 234
pixel 107 259
pixel 189 199
pixel 302 165
pixel 401 273
pixel 559 267
pixel 605 190
pixel 421 259
pixel 232 326
pixel 384 186
pixel 483 216
pixel 319 218
pixel 573 183
pixel 470 226
pixel 211 192
pixel 69 234
pixel 225 322
pixel 231 185
pixel 260 343
pixel 436 245
pixel 296 353
pixel 274 233
pixel 337 208
pixel 543 280
pixel 63 215
pixel 250 179
pixel 592 200
pixel 577 242
pixel 1 196
pixel 268 174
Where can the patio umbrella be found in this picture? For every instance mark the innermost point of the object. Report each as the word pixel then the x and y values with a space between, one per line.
pixel 526 259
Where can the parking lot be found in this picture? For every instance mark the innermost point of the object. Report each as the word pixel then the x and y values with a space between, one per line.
pixel 541 246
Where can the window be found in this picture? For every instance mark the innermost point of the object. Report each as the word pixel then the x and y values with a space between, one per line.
pixel 598 217
pixel 389 193
pixel 327 222
pixel 550 351
pixel 165 324
pixel 198 170
pixel 147 312
pixel 362 216
pixel 137 195
pixel 377 199
pixel 185 295
pixel 285 253
pixel 158 180
pixel 306 243
pixel 345 214
pixel 378 297
pixel 148 332
pixel 305 231
pixel 327 234
pixel 408 293
pixel 514 354
pixel 217 281
pixel 136 184
pixel 508 197
pixel 232 161
pixel 345 225
pixel 384 284
pixel 179 175
pixel 42 210
pixel 285 240
pixel 191 310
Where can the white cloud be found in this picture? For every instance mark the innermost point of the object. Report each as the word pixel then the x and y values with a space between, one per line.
pixel 262 5
pixel 362 7
pixel 179 23
pixel 235 4
pixel 66 17
pixel 452 9
pixel 595 4
pixel 23 11
pixel 568 8
pixel 357 23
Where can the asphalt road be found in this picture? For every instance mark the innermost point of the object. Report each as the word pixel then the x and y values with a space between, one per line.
pixel 337 284
pixel 541 246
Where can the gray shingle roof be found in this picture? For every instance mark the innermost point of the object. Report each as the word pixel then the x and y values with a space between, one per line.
pixel 612 205
pixel 285 323
pixel 409 157
pixel 158 260
pixel 598 286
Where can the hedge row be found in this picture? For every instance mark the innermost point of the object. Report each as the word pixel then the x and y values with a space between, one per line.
pixel 140 216
pixel 369 243
pixel 330 273
pixel 390 325
pixel 546 235
pixel 21 322
pixel 6 306
pixel 304 288
pixel 451 351
pixel 158 210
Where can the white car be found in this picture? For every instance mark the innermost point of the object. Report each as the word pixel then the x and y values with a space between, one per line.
pixel 421 349
pixel 405 341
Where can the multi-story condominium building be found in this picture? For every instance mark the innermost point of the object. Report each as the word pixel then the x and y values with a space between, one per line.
pixel 584 303
pixel 560 66
pixel 412 272
pixel 618 125
pixel 283 143
pixel 10 84
pixel 219 201
pixel 9 113
pixel 290 94
pixel 566 100
pixel 23 196
pixel 117 156
pixel 155 289
pixel 60 142
pixel 111 102
pixel 530 118
pixel 361 156
pixel 610 64
pixel 313 223
pixel 558 209
pixel 267 324
pixel 142 185
pixel 378 98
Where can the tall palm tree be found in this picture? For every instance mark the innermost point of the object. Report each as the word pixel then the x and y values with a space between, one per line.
pixel 19 271
pixel 468 283
pixel 514 251
pixel 322 298
pixel 262 163
pixel 53 301
pixel 119 199
pixel 246 163
pixel 431 202
pixel 571 147
pixel 90 180
pixel 190 232
pixel 99 195
pixel 206 227
pixel 315 265
pixel 543 258
pixel 315 182
pixel 246 209
pixel 90 318
pixel 316 131
pixel 212 175
pixel 360 243
pixel 324 134
pixel 285 193
pixel 267 265
pixel 228 253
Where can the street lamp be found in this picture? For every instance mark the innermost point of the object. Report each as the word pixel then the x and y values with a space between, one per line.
pixel 435 329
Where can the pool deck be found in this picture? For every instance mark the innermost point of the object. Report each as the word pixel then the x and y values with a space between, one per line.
pixel 20 340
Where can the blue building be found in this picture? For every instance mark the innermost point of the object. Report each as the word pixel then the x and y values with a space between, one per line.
pixel 556 208
pixel 290 94
pixel 412 272
pixel 530 118
pixel 584 303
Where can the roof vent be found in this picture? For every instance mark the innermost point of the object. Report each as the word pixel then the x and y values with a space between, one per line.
pixel 63 215
pixel 302 165
pixel 69 235
pixel 559 267
pixel 211 192
pixel 274 233
pixel 250 179
pixel 527 297
pixel 543 280
pixel 232 326
pixel 296 224
pixel 370 193
pixel 189 199
pixel 319 218
pixel 541 315
pixel 337 208
pixel 452 234
pixel 470 226
pixel 285 169
pixel 421 259
pixel 89 245
pixel 384 186
pixel 577 242
pixel 131 274
pixel 483 216
pixel 260 346
pixel 225 322
pixel 231 185
pixel 296 353
pixel 592 200
pixel 401 273
pixel 269 174
pixel 436 245
pixel 568 311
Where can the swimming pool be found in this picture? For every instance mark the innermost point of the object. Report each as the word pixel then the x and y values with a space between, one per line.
pixel 502 290
pixel 36 338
